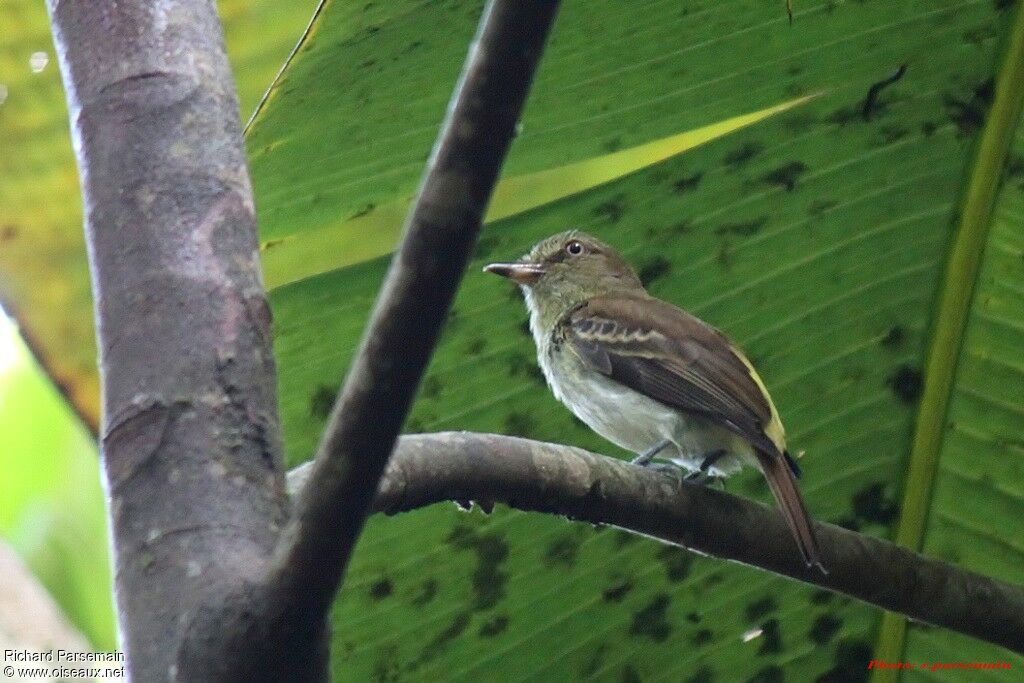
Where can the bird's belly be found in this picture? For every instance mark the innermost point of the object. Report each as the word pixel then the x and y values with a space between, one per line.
pixel 635 422
pixel 623 416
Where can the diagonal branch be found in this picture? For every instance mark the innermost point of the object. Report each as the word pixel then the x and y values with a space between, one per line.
pixel 412 306
pixel 543 477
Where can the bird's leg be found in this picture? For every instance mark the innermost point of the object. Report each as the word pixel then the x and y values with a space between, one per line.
pixel 701 476
pixel 644 458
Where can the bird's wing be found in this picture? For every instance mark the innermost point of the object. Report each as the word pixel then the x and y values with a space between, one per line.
pixel 676 359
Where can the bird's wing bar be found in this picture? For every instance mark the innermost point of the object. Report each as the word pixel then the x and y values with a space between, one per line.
pixel 674 358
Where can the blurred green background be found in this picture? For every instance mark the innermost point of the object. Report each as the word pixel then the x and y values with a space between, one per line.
pixel 814 232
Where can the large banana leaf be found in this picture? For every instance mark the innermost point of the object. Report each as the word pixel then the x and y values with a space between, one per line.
pixel 818 238
pixel 44 278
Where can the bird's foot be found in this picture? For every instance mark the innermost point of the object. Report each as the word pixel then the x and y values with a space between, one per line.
pixel 703 476
pixel 644 459
pixel 699 478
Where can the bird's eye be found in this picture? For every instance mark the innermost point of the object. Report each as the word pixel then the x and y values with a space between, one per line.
pixel 574 248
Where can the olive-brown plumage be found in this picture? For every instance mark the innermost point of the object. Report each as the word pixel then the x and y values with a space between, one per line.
pixel 649 376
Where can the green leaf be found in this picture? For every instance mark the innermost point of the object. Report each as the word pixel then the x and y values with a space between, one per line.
pixel 305 254
pixel 968 443
pixel 44 277
pixel 817 238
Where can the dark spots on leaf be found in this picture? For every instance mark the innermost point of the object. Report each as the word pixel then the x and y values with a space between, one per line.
pixel 476 346
pixel 596 661
pixel 894 338
pixel 321 401
pixel 820 206
pixel 822 597
pixel 453 321
pixel 8 232
pixel 704 674
pixel 848 522
pixel 381 588
pixel 431 387
pixel 617 591
pixel 494 627
pixel 485 246
pixel 562 551
pixel 873 506
pixel 613 209
pixel 928 128
pixel 524 328
pixel 850 663
pixel 844 116
pixel 1014 168
pixel 677 562
pixel 612 144
pixel 623 538
pixel 441 641
pixel 761 608
pixel 517 363
pixel 979 34
pixel 651 621
pixel 653 270
pixel 723 255
pixel 688 183
pixel 414 425
pixel 1003 5
pixel 693 618
pixel 518 423
pixel 744 228
pixel 630 675
pixel 385 669
pixel 891 134
pixel 771 639
pixel 769 674
pixel 714 578
pixel 906 383
pixel 825 626
pixel 366 210
pixel 968 113
pixel 741 156
pixel 872 104
pixel 491 552
pixel 702 637
pixel 427 592
pixel 683 227
pixel 785 176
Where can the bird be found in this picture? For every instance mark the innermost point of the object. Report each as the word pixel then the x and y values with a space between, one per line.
pixel 650 377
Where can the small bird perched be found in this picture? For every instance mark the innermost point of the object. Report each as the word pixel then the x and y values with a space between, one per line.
pixel 648 376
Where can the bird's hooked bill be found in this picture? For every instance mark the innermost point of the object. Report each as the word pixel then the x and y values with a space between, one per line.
pixel 521 272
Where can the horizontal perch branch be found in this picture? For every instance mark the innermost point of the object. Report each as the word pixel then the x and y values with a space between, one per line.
pixel 542 477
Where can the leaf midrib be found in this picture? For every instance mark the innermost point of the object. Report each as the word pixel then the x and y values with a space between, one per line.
pixel 950 317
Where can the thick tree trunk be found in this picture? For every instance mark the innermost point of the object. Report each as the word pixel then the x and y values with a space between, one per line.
pixel 190 437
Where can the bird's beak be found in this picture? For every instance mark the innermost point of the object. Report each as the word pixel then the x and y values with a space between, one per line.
pixel 522 272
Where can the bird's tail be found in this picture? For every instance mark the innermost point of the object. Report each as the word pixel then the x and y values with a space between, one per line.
pixel 782 481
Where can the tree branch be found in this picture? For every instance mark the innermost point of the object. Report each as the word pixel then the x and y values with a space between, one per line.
pixel 543 477
pixel 190 441
pixel 412 306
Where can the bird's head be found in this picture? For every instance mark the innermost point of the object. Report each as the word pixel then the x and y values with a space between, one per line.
pixel 566 269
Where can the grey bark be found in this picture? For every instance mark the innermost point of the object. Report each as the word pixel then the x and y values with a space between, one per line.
pixel 208 586
pixel 543 477
pixel 190 440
